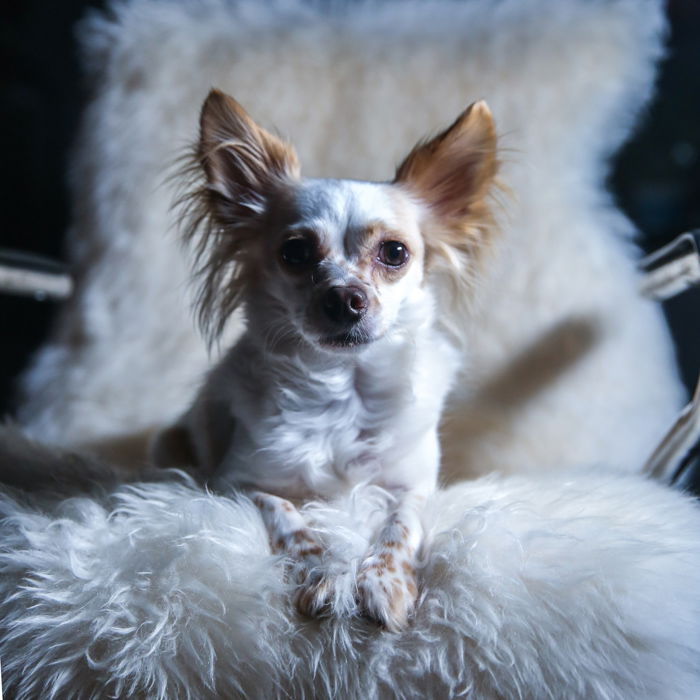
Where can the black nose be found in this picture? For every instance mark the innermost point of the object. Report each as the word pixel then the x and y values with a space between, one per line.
pixel 345 304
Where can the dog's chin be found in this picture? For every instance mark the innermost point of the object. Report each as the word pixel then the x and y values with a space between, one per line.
pixel 346 342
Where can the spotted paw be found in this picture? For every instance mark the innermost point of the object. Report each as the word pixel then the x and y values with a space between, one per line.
pixel 387 590
pixel 314 596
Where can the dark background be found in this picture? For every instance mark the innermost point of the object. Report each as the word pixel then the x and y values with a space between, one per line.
pixel 656 178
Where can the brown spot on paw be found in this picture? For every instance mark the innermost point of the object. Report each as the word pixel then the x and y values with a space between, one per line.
pixel 387 558
pixel 303 536
pixel 314 551
pixel 388 599
pixel 378 569
pixel 314 597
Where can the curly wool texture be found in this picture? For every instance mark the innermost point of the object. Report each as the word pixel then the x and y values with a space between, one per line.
pixel 530 588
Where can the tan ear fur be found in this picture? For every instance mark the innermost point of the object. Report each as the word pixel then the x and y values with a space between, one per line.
pixel 238 156
pixel 453 174
pixel 243 164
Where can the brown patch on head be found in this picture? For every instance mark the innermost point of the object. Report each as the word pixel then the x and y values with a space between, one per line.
pixel 403 230
pixel 243 165
pixel 453 174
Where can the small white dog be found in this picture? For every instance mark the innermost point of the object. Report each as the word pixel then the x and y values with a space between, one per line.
pixel 340 378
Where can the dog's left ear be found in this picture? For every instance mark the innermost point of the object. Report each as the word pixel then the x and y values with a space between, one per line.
pixel 452 174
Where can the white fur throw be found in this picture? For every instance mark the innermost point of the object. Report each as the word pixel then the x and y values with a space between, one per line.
pixel 567 365
pixel 585 587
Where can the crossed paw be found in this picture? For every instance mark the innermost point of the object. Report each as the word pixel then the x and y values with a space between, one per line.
pixel 315 588
pixel 386 588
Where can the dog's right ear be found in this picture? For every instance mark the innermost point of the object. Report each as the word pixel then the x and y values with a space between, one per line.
pixel 243 166
pixel 241 160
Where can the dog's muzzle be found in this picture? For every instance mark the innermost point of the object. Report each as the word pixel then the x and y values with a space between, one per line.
pixel 344 306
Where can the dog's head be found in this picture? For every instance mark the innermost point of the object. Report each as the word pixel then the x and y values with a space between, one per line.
pixel 339 263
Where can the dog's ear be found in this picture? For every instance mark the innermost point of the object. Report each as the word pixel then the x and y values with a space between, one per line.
pixel 453 174
pixel 241 160
pixel 243 166
pixel 454 170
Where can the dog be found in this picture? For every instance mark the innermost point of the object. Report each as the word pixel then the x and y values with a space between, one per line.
pixel 349 291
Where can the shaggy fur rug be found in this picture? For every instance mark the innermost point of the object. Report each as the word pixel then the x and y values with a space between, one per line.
pixel 578 587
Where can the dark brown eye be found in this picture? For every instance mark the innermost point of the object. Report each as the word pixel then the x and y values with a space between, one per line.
pixel 296 252
pixel 393 253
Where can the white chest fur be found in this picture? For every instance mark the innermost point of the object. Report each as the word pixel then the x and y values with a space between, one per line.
pixel 320 424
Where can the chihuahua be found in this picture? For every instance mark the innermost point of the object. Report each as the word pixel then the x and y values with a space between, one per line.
pixel 347 288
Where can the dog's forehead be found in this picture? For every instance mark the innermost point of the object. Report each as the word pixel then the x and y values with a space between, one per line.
pixel 340 209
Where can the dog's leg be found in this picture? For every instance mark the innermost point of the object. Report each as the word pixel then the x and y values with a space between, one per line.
pixel 290 535
pixel 386 582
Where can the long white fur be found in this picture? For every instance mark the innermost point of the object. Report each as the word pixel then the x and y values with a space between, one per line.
pixel 583 586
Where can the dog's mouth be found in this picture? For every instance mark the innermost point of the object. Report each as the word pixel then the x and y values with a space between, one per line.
pixel 348 340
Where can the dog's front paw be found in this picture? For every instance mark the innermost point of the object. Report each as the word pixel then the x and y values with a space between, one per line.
pixel 315 594
pixel 315 590
pixel 387 590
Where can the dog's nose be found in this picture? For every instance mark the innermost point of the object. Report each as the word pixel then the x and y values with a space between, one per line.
pixel 345 304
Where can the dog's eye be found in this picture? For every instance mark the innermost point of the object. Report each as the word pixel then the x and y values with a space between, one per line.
pixel 296 252
pixel 393 253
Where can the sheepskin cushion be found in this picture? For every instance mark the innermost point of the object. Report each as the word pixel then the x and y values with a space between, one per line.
pixel 567 365
pixel 535 587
